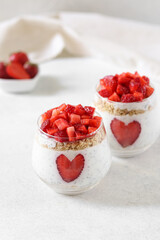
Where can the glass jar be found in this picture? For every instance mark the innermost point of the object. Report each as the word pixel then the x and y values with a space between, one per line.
pixel 71 167
pixel 131 127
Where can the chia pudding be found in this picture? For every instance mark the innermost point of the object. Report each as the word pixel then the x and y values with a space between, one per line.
pixel 75 161
pixel 132 124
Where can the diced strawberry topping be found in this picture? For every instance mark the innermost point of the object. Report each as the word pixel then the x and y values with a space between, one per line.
pixel 45 125
pixel 71 133
pixel 122 90
pixel 64 125
pixel 69 108
pixel 126 98
pixel 105 92
pixel 79 110
pixel 125 87
pixel 89 110
pixel 85 121
pixel 114 97
pixel 91 129
pixel 74 118
pixel 149 91
pixel 61 124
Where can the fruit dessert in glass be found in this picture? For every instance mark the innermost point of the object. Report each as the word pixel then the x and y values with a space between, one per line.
pixel 71 152
pixel 128 104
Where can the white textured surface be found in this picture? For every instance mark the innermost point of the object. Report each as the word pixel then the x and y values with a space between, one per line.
pixel 125 206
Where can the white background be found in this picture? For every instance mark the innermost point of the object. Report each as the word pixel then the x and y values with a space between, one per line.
pixel 142 10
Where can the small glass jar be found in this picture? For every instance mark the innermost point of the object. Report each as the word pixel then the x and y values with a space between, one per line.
pixel 71 167
pixel 131 127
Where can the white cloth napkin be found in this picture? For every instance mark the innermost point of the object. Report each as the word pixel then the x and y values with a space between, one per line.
pixel 42 37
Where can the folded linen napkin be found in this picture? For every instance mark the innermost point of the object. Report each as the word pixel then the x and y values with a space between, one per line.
pixel 43 38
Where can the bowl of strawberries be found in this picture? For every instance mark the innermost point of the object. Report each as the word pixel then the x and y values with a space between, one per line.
pixel 18 74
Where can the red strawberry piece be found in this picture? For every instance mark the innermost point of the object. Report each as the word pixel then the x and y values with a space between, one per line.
pixel 138 96
pixel 31 69
pixel 124 78
pixel 122 89
pixel 80 135
pixel 79 110
pixel 16 70
pixel 94 123
pixel 61 136
pixel 126 98
pixel 146 79
pixel 106 79
pixel 3 73
pixel 61 124
pixel 114 97
pixel 143 90
pixel 86 117
pixel 89 110
pixel 105 93
pixel 69 108
pixel 20 57
pixel 85 121
pixel 91 129
pixel 81 128
pixel 134 85
pixel 63 115
pixel 74 118
pixel 55 112
pixel 45 125
pixel 149 91
pixel 52 131
pixel 126 135
pixel 62 107
pixel 70 170
pixel 71 133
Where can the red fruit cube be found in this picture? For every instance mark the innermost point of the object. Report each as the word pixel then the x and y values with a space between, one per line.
pixel 122 89
pixel 45 125
pixel 104 80
pixel 134 85
pixel 138 96
pixel 61 136
pixel 126 98
pixel 79 110
pixel 86 117
pixel 81 128
pixel 146 80
pixel 91 129
pixel 52 131
pixel 74 118
pixel 89 110
pixel 94 123
pixel 149 91
pixel 71 133
pixel 55 112
pixel 109 82
pixel 62 107
pixel 69 108
pixel 124 78
pixel 85 121
pixel 80 135
pixel 63 115
pixel 105 93
pixel 61 124
pixel 114 97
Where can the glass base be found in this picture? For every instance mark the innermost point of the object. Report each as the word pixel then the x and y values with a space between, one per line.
pixel 129 153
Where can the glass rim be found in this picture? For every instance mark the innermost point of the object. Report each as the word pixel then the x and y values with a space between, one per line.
pixel 128 103
pixel 56 137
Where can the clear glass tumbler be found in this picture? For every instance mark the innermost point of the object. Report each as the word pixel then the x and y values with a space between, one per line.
pixel 71 167
pixel 131 127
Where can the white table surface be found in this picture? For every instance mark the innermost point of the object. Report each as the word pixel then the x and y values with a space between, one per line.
pixel 125 205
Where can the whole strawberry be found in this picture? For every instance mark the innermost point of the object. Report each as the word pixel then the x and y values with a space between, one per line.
pixel 19 57
pixel 3 73
pixel 31 69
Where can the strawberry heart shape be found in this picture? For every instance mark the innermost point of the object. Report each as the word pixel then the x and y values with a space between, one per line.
pixel 126 135
pixel 70 170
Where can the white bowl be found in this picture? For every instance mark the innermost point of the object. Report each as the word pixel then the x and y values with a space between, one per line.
pixel 18 85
